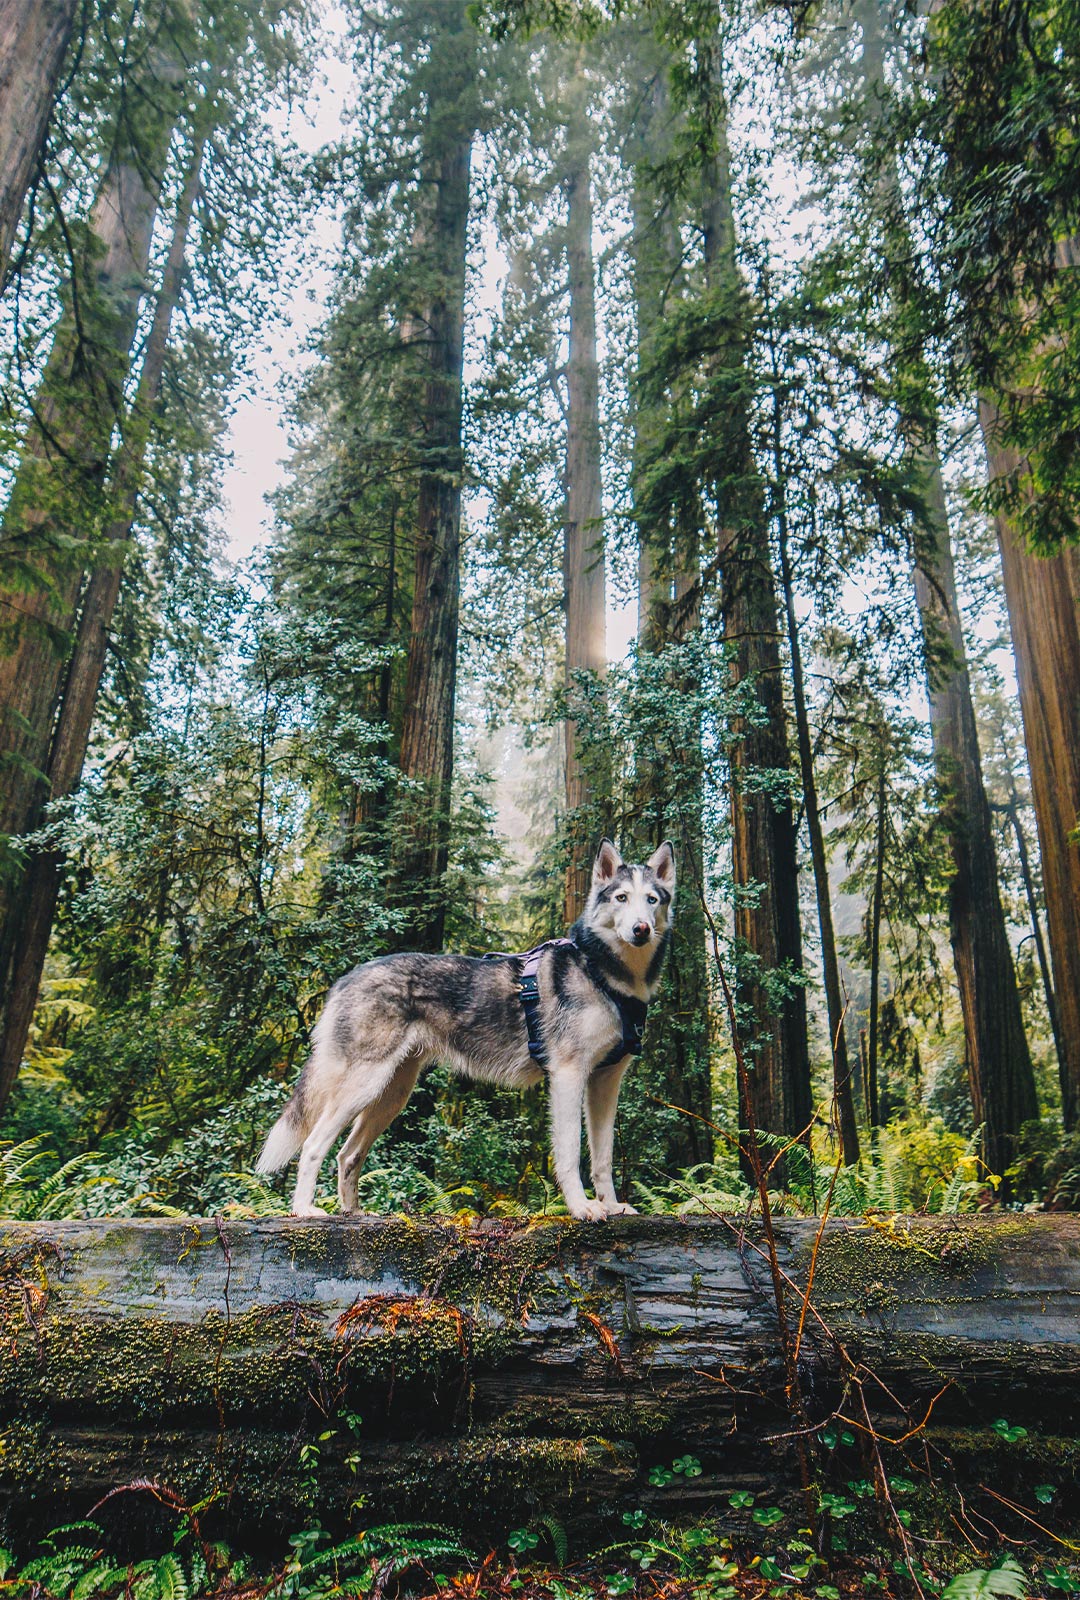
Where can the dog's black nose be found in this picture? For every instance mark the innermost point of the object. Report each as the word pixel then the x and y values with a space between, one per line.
pixel 641 931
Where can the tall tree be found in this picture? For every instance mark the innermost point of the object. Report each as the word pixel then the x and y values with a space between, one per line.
pixel 1000 1073
pixel 57 499
pixel 1042 594
pixel 240 55
pixel 668 513
pixel 34 37
pixel 764 852
pixel 1009 255
pixel 887 314
pixel 44 549
pixel 583 548
pixel 427 739
pixel 843 1112
pixel 35 903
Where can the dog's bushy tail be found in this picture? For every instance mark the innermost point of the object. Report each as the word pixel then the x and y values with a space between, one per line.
pixel 283 1140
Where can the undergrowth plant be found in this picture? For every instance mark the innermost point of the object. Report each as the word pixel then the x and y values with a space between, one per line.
pixel 695 1560
pixel 77 1562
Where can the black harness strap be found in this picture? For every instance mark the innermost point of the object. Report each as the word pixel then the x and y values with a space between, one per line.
pixel 632 1012
pixel 632 1015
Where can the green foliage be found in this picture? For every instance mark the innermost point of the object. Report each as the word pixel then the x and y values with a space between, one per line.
pixel 980 1584
pixel 34 1187
pixel 193 1570
pixel 913 1164
pixel 1047 1166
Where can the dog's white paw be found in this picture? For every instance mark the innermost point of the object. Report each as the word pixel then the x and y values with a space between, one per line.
pixel 619 1208
pixel 590 1211
pixel 309 1211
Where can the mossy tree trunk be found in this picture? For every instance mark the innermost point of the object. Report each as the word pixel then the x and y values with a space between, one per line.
pixel 500 1372
pixel 34 36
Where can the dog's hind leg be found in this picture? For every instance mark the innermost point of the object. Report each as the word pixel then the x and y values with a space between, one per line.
pixel 364 1084
pixel 601 1103
pixel 373 1120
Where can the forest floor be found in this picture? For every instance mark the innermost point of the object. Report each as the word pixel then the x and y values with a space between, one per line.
pixel 406 1563
pixel 743 1574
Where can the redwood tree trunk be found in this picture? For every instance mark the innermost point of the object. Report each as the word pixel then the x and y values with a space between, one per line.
pixel 514 1364
pixel 1000 1073
pixel 34 36
pixel 675 1066
pixel 32 903
pixel 427 738
pixel 583 544
pixel 57 495
pixel 57 501
pixel 877 908
pixel 764 855
pixel 1041 595
pixel 843 1095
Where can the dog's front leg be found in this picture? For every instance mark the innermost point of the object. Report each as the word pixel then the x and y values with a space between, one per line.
pixel 601 1102
pixel 566 1087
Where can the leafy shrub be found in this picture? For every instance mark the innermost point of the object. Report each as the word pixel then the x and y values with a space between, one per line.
pixel 1047 1166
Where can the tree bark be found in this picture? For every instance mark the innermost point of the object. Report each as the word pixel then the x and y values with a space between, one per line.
pixel 675 1065
pixel 427 738
pixel 57 495
pixel 32 904
pixel 877 906
pixel 1041 595
pixel 1028 879
pixel 505 1372
pixel 34 36
pixel 1000 1073
pixel 764 851
pixel 843 1107
pixel 583 543
pixel 58 500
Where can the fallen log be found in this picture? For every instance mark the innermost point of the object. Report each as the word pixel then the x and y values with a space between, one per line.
pixel 484 1375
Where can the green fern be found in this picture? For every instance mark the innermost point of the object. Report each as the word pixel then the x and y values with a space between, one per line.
pixel 558 1538
pixel 962 1185
pixel 98 1579
pixel 171 1582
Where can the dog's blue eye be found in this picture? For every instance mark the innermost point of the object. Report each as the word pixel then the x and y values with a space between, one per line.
pixel 653 899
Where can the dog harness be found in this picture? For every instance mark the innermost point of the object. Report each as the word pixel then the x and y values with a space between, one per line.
pixel 632 1012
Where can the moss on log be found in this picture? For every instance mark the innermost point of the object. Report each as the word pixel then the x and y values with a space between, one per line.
pixel 481 1375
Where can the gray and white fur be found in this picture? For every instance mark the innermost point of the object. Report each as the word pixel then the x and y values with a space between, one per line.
pixel 387 1020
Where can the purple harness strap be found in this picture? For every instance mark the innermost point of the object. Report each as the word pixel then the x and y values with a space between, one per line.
pixel 631 1012
pixel 529 991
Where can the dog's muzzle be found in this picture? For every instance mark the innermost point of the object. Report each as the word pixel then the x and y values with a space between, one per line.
pixel 640 933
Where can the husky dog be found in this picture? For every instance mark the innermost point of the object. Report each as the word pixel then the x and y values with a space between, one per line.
pixel 387 1020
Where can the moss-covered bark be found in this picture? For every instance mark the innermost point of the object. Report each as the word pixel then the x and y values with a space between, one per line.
pixel 483 1375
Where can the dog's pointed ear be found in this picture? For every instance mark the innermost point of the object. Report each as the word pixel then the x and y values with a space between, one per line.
pixel 662 864
pixel 607 863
